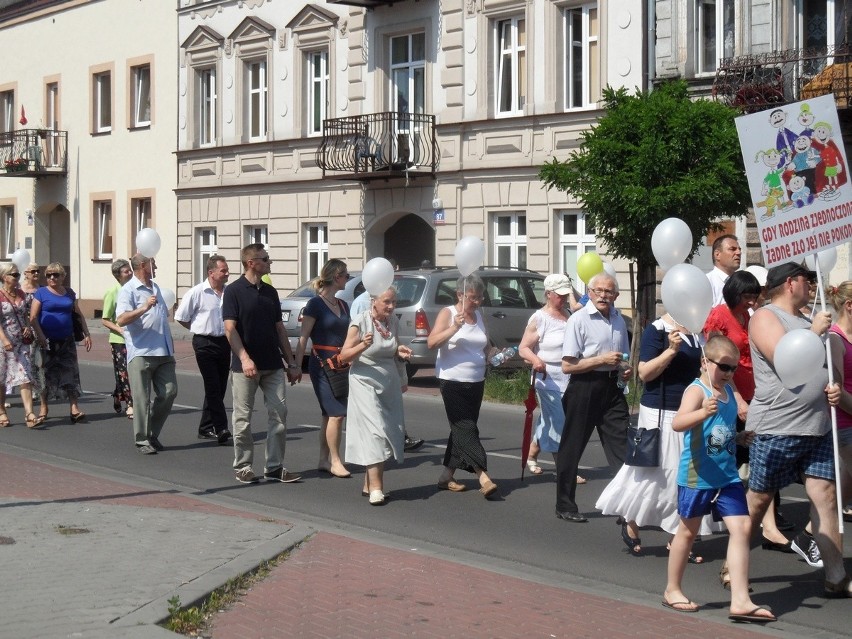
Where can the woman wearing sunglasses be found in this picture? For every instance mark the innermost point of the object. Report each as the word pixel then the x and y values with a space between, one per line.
pixel 15 336
pixel 51 318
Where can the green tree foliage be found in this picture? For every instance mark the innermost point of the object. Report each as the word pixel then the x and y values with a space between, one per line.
pixel 654 155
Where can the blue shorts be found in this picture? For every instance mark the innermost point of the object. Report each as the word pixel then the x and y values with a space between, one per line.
pixel 729 501
pixel 777 461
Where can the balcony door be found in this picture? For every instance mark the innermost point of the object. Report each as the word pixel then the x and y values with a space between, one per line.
pixel 408 92
pixel 822 26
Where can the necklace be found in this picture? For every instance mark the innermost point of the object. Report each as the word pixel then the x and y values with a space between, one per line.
pixel 382 327
pixel 332 305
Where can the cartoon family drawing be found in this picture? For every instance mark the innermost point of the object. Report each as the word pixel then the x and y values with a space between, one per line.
pixel 802 166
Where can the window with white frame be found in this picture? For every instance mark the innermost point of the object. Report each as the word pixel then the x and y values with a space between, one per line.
pixel 576 236
pixel 206 106
pixel 257 235
pixel 205 241
pixel 140 210
pixel 54 148
pixel 316 248
pixel 7 218
pixel 511 52
pixel 582 56
pixel 510 239
pixel 318 79
pixel 714 33
pixel 102 102
pixel 256 95
pixel 140 95
pixel 822 25
pixel 7 111
pixel 103 230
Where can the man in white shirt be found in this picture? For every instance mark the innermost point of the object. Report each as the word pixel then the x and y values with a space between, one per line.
pixel 200 311
pixel 726 259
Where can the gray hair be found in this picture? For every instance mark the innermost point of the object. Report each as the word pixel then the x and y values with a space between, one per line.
pixel 603 275
pixel 117 266
pixel 470 283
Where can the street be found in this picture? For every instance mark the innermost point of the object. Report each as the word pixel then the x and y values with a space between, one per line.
pixel 516 534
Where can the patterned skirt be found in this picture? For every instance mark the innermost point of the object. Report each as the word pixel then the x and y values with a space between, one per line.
pixel 462 401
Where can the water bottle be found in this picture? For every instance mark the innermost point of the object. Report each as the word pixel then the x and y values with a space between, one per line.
pixel 623 366
pixel 506 354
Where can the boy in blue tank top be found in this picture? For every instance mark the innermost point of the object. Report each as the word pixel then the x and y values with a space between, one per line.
pixel 708 481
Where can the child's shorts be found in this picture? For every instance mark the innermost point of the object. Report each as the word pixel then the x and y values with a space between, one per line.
pixel 729 501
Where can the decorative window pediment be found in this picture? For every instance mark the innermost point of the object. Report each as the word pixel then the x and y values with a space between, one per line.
pixel 313 22
pixel 252 29
pixel 201 39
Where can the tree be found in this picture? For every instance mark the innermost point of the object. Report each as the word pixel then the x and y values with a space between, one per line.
pixel 654 155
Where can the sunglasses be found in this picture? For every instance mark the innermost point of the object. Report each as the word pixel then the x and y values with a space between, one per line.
pixel 53 274
pixel 14 274
pixel 261 259
pixel 725 368
pixel 32 272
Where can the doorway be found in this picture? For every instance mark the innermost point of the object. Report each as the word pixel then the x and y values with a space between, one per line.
pixel 409 241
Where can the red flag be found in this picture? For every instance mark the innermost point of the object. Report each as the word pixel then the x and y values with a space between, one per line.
pixel 23 119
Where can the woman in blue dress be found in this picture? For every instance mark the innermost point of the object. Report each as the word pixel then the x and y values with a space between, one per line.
pixel 325 321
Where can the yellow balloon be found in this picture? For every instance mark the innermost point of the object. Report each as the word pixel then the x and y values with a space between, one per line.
pixel 589 265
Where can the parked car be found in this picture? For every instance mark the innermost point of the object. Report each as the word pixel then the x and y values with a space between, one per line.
pixel 293 307
pixel 511 296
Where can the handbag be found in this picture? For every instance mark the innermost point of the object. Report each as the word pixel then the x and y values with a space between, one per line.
pixel 337 373
pixel 79 334
pixel 643 444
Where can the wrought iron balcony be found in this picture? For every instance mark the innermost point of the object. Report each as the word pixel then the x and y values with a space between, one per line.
pixel 33 153
pixel 757 82
pixel 378 146
pixel 367 4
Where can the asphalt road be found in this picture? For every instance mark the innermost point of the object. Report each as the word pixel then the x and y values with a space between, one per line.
pixel 517 533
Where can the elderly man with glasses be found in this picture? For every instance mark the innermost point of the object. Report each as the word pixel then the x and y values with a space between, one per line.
pixel 595 339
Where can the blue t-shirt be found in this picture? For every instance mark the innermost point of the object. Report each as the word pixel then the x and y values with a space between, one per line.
pixel 677 375
pixel 709 451
pixel 55 315
pixel 329 329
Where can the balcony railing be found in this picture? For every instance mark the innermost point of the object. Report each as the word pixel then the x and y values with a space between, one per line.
pixel 33 153
pixel 757 82
pixel 378 145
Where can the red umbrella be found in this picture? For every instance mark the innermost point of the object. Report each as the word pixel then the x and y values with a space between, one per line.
pixel 530 403
pixel 23 119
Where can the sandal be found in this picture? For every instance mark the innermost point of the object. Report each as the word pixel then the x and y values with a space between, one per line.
pixel 77 417
pixel 116 404
pixel 533 466
pixel 31 420
pixel 4 420
pixel 634 544
pixel 41 419
pixel 725 578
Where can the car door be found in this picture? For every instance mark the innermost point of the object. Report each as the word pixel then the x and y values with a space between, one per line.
pixel 509 303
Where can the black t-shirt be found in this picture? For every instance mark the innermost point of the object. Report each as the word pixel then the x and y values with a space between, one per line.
pixel 256 310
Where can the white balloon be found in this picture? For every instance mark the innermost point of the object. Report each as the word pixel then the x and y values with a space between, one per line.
pixel 169 297
pixel 797 356
pixel 377 276
pixel 21 259
pixel 827 260
pixel 610 269
pixel 671 242
pixel 148 242
pixel 687 296
pixel 470 252
pixel 759 272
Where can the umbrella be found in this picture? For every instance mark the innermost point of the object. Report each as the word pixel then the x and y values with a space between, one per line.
pixel 530 403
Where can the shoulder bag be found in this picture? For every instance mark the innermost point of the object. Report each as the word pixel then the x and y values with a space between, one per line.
pixel 643 444
pixel 335 370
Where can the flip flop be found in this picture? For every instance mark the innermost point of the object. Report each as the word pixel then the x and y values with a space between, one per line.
pixel 533 466
pixel 751 617
pixel 674 606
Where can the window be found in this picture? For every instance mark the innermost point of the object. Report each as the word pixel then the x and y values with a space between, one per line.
pixel 7 232
pixel 317 91
pixel 576 236
pixel 316 247
pixel 207 106
pixel 102 101
pixel 103 230
pixel 714 33
pixel 257 93
pixel 7 111
pixel 582 57
pixel 511 66
pixel 206 243
pixel 257 235
pixel 54 147
pixel 141 211
pixel 140 96
pixel 510 239
pixel 822 24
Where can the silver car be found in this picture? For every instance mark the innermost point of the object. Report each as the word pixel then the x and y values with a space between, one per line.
pixel 293 307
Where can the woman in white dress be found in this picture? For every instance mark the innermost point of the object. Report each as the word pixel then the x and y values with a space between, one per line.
pixel 541 347
pixel 375 428
pixel 669 359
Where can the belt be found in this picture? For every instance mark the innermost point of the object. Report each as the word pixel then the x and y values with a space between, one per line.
pixel 605 374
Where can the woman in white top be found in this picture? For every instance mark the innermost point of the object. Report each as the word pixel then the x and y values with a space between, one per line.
pixel 541 347
pixel 462 343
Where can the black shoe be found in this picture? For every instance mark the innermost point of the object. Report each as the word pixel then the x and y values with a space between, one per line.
pixel 773 545
pixel 223 437
pixel 781 523
pixel 412 444
pixel 207 434
pixel 155 444
pixel 567 515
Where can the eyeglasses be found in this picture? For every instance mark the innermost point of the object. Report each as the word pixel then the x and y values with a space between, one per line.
pixel 604 292
pixel 32 272
pixel 475 299
pixel 725 368
pixel 53 275
pixel 14 274
pixel 265 258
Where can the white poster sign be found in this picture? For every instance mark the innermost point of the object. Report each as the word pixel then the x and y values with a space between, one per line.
pixel 799 178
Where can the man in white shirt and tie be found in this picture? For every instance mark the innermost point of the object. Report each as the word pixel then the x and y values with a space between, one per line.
pixel 726 259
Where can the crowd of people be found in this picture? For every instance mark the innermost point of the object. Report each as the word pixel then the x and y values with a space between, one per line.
pixel 731 435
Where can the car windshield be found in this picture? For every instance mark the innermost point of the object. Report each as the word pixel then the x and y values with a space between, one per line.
pixel 409 289
pixel 305 291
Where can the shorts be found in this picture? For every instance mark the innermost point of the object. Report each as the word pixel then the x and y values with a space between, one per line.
pixel 729 501
pixel 777 461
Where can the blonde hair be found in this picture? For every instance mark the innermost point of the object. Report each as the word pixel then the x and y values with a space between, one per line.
pixel 330 270
pixel 719 345
pixel 839 295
